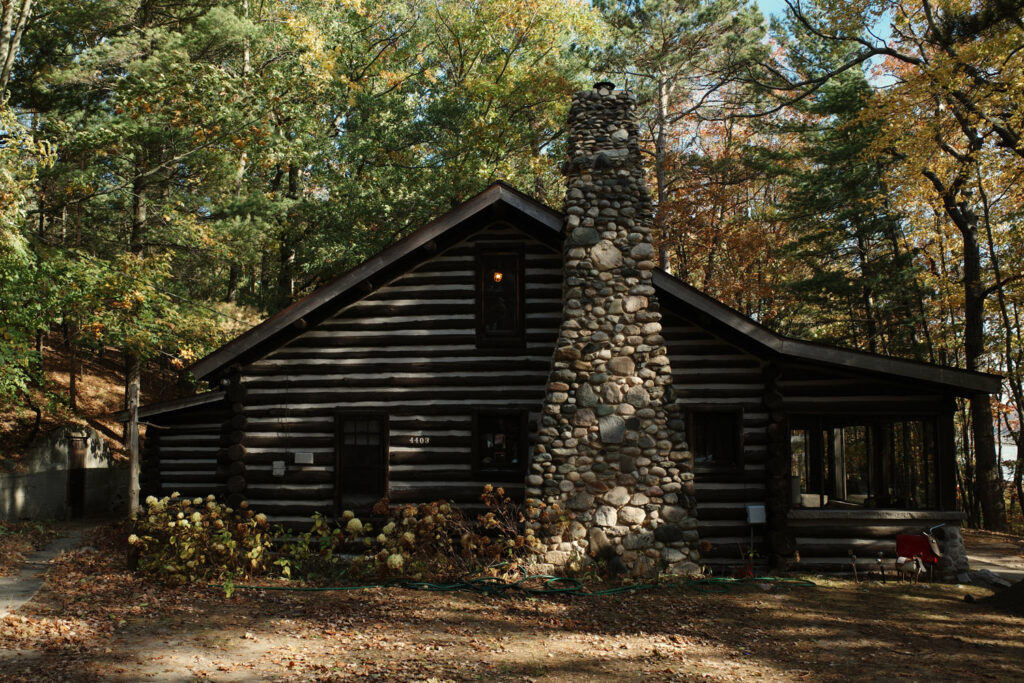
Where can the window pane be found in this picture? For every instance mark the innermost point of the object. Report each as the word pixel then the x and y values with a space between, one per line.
pixel 500 443
pixel 716 438
pixel 856 450
pixel 500 308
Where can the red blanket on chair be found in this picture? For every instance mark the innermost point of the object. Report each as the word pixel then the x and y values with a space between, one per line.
pixel 915 545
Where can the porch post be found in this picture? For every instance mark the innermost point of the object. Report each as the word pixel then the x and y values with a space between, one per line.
pixel 945 452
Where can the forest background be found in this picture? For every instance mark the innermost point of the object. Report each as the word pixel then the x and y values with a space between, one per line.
pixel 173 171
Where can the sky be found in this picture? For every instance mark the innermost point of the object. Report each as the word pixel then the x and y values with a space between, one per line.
pixel 776 7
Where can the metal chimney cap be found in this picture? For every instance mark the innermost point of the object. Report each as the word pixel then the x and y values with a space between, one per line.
pixel 604 84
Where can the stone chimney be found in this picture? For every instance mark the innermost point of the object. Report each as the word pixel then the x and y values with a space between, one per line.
pixel 610 447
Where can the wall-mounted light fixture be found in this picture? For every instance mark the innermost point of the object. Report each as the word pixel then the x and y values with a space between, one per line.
pixel 497 276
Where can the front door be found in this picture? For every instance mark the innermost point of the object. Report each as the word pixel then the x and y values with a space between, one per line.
pixel 361 461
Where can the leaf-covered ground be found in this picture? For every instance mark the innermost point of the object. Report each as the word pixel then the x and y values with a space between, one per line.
pixel 95 621
pixel 18 539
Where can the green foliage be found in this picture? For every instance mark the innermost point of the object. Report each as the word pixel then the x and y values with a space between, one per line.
pixel 25 302
pixel 314 554
pixel 859 286
pixel 182 540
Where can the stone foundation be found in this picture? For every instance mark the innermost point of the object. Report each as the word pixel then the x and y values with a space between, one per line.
pixel 611 449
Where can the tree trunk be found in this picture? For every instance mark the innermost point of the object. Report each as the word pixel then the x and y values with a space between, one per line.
pixel 661 174
pixel 71 339
pixel 9 43
pixel 990 480
pixel 132 382
pixel 234 272
pixel 132 360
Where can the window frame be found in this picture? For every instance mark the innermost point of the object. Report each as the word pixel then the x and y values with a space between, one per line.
pixel 515 338
pixel 692 413
pixel 342 416
pixel 488 473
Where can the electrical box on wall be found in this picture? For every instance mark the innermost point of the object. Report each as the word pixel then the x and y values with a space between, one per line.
pixel 756 514
pixel 303 458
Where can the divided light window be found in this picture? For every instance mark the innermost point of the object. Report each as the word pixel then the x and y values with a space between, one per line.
pixel 499 297
pixel 499 444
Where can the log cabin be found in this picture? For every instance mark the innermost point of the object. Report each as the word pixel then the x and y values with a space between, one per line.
pixel 510 343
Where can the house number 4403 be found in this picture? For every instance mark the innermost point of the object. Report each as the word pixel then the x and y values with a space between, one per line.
pixel 419 440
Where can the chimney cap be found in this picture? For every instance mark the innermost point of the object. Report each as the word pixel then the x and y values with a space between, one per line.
pixel 604 84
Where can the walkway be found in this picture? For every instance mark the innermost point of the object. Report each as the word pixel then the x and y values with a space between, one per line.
pixel 999 553
pixel 17 589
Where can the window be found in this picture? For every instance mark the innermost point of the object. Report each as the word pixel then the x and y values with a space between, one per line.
pixel 877 463
pixel 500 444
pixel 361 460
pixel 499 294
pixel 716 437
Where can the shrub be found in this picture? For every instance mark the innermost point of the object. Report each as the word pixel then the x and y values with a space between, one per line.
pixel 314 554
pixel 180 540
pixel 439 541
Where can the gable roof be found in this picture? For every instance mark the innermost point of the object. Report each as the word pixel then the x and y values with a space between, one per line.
pixel 499 194
pixel 501 197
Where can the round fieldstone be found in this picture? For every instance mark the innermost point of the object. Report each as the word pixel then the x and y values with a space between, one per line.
pixel 631 515
pixel 606 516
pixel 605 256
pixel 584 417
pixel 612 428
pixel 668 533
pixel 618 496
pixel 622 365
pixel 585 396
pixel 642 251
pixel 581 501
pixel 632 304
pixel 584 237
pixel 637 397
pixel 673 513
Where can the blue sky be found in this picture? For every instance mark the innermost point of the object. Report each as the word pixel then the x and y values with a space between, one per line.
pixel 776 7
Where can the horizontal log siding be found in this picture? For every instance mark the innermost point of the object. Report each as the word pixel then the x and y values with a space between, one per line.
pixel 409 350
pixel 826 538
pixel 710 373
pixel 181 451
pixel 822 391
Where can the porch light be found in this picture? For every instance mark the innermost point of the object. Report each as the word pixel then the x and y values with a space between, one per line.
pixel 497 276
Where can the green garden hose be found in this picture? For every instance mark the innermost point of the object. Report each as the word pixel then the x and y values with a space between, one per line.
pixel 551 585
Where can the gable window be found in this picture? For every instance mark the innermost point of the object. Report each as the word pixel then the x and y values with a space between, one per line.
pixel 499 297
pixel 499 444
pixel 716 437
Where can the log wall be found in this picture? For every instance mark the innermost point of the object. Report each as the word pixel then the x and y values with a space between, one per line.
pixel 407 350
pixel 181 450
pixel 712 374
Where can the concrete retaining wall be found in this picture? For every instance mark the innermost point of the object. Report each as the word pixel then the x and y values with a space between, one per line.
pixel 41 491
